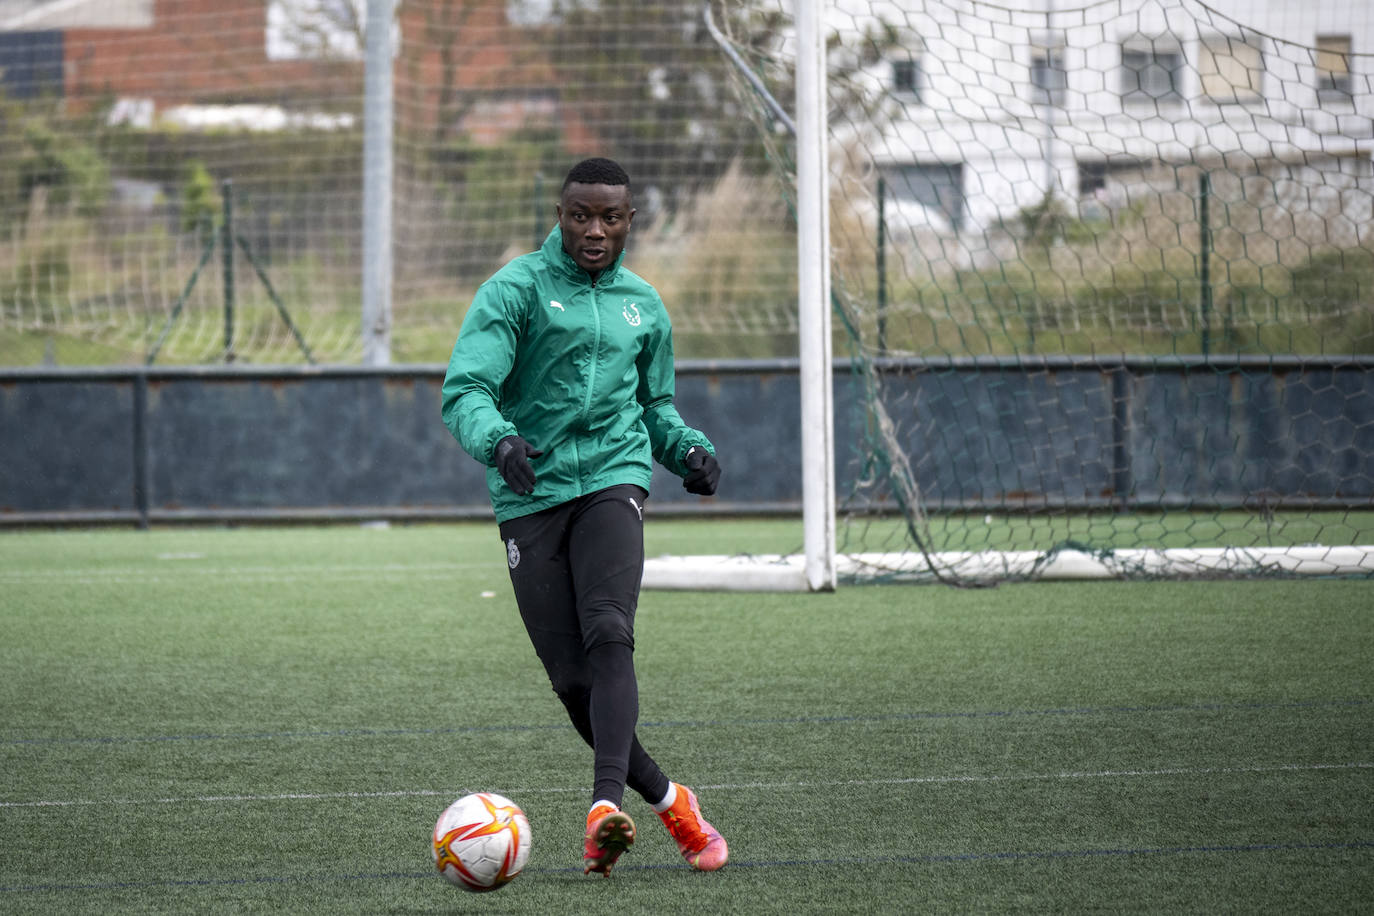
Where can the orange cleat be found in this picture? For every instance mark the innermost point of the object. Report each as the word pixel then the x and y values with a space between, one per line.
pixel 609 833
pixel 700 844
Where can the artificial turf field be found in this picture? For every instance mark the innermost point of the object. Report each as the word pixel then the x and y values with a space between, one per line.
pixel 254 719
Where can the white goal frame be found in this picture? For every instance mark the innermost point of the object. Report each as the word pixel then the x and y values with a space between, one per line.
pixel 819 567
pixel 778 573
pixel 813 301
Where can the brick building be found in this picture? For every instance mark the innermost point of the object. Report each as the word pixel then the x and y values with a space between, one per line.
pixel 462 69
pixel 159 54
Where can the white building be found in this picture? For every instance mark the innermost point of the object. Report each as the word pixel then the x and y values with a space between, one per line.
pixel 992 107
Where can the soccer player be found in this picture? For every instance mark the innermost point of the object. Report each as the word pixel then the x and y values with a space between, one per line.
pixel 561 383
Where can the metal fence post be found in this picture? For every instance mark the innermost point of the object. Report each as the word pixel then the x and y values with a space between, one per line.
pixel 1205 268
pixel 227 253
pixel 140 441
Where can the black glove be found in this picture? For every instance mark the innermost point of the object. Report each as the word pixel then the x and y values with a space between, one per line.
pixel 512 460
pixel 703 472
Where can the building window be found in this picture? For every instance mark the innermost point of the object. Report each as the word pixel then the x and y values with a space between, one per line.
pixel 1333 68
pixel 1151 71
pixel 906 78
pixel 1230 70
pixel 1048 76
pixel 1092 177
pixel 939 187
pixel 31 64
pixel 1093 174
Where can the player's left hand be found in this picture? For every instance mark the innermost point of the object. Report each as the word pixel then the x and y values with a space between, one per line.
pixel 703 472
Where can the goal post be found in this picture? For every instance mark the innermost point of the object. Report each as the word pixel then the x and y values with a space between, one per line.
pixel 813 301
pixel 815 568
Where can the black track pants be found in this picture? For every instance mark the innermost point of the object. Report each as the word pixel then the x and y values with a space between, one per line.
pixel 576 570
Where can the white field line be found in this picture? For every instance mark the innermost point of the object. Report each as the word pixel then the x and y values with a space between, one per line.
pixel 724 786
pixel 184 570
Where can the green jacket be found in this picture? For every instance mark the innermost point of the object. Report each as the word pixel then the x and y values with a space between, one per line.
pixel 579 369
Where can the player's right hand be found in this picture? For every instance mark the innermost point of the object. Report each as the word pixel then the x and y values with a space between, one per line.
pixel 512 460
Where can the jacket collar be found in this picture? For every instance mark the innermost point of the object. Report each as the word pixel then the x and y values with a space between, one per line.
pixel 555 254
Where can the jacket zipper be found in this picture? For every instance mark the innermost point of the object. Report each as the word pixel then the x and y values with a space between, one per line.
pixel 596 347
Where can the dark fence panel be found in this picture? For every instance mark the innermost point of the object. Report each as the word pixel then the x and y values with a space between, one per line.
pixel 1078 432
pixel 67 443
pixel 350 441
pixel 202 444
pixel 979 439
pixel 1283 436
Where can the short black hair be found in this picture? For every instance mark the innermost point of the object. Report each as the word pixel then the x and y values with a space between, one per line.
pixel 597 171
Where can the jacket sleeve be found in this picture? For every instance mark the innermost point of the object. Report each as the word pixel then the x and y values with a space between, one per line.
pixel 669 436
pixel 482 358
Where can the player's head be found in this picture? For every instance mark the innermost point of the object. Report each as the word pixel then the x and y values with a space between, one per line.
pixel 594 213
pixel 598 171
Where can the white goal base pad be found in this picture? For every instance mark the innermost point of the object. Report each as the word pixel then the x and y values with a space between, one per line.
pixel 779 573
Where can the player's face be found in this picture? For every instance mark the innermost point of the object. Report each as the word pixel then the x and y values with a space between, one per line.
pixel 595 219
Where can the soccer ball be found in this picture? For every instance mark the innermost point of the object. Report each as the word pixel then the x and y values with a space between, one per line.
pixel 481 842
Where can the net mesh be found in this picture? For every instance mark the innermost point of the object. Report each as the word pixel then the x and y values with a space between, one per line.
pixel 1071 247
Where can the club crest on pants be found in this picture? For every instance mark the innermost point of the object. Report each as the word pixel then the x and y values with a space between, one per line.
pixel 512 553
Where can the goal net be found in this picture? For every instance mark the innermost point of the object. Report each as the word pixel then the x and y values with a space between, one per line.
pixel 1103 273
